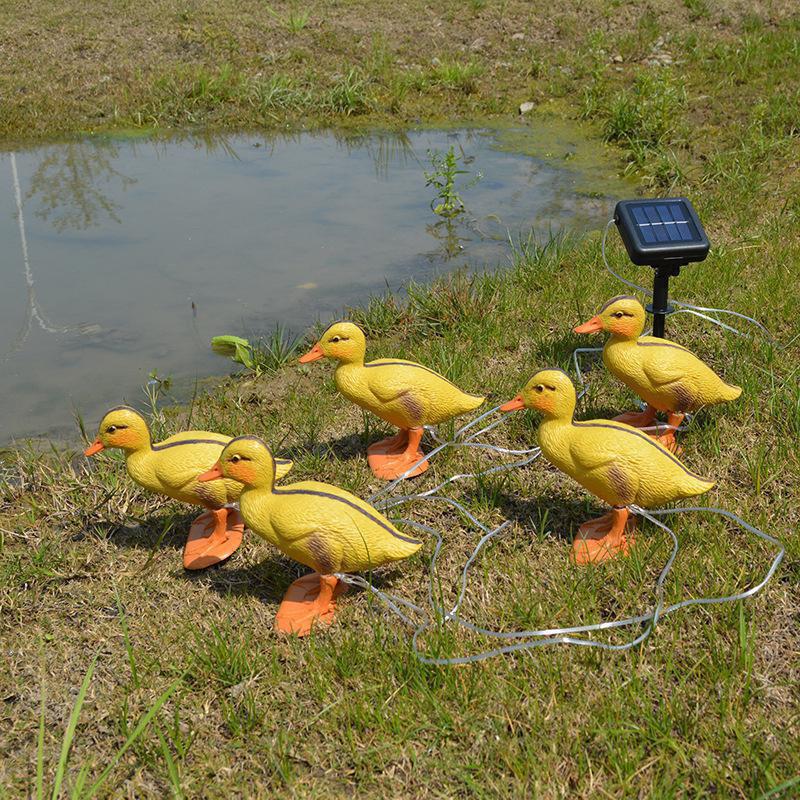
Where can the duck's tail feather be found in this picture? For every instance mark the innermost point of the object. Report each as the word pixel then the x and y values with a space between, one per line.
pixel 698 485
pixel 730 392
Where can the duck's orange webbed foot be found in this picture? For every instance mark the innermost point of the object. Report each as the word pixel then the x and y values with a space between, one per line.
pixel 392 445
pixel 396 455
pixel 638 419
pixel 213 537
pixel 606 537
pixel 309 601
pixel 667 439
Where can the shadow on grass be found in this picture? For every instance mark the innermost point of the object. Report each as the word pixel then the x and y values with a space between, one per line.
pixel 270 579
pixel 163 530
pixel 344 448
pixel 550 514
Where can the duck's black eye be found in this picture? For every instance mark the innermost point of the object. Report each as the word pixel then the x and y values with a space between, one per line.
pixel 235 459
pixel 619 314
pixel 336 339
pixel 540 388
pixel 111 429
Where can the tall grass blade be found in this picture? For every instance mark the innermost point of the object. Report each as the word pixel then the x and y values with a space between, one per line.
pixel 40 748
pixel 123 621
pixel 135 734
pixel 69 733
pixel 172 769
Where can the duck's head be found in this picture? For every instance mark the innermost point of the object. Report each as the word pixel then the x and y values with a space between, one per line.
pixel 121 427
pixel 549 391
pixel 245 459
pixel 344 341
pixel 621 316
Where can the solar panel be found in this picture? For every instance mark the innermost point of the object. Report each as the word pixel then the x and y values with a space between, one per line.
pixel 657 232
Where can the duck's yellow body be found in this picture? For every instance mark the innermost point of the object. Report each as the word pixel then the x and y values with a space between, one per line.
pixel 618 463
pixel 614 461
pixel 324 527
pixel 171 467
pixel 403 393
pixel 316 524
pixel 664 374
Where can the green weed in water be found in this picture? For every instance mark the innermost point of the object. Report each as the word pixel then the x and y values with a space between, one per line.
pixel 442 177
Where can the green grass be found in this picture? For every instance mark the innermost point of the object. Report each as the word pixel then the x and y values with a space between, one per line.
pixel 295 20
pixel 122 675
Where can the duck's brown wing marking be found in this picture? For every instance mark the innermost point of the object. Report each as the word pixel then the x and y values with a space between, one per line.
pixel 319 549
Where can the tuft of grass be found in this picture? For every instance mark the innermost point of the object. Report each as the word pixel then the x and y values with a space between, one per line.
pixel 457 75
pixel 224 657
pixel 80 790
pixel 277 93
pixel 277 350
pixel 380 315
pixel 349 95
pixel 698 9
pixel 647 120
pixel 295 21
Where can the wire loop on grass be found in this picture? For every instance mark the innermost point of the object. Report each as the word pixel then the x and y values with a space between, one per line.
pixel 529 639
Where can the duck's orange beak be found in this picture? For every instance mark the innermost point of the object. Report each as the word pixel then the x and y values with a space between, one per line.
pixel 212 474
pixel 517 404
pixel 594 325
pixel 314 354
pixel 95 447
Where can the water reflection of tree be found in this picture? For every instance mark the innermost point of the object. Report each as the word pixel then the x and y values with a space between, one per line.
pixel 71 182
pixel 33 310
pixel 383 147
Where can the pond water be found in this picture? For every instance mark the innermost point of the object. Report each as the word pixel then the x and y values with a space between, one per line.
pixel 130 254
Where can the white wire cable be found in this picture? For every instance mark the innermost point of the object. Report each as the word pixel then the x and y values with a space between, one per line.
pixel 529 639
pixel 457 441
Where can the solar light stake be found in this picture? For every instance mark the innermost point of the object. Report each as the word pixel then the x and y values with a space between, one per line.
pixel 665 235
pixel 660 306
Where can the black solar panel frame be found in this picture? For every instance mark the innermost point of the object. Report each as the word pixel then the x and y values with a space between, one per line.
pixel 670 250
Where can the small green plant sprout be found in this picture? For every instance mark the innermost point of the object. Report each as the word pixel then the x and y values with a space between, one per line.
pixel 295 21
pixel 155 387
pixel 235 348
pixel 445 169
pixel 276 351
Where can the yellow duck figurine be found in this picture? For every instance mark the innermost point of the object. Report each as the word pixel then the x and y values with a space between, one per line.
pixel 319 525
pixel 405 394
pixel 667 376
pixel 171 468
pixel 616 462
